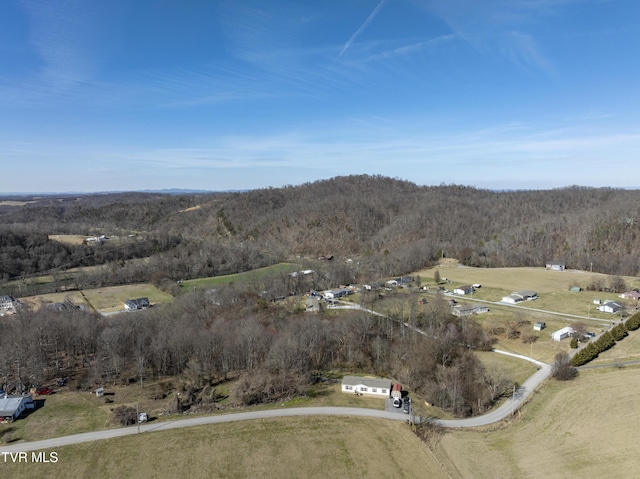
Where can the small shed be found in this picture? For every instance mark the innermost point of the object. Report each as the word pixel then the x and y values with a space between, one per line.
pixel 396 391
pixel 100 392
pixel 539 326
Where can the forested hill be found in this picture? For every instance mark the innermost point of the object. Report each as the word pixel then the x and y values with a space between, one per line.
pixel 389 226
pixel 378 216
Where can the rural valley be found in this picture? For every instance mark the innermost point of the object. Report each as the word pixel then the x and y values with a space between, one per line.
pixel 213 304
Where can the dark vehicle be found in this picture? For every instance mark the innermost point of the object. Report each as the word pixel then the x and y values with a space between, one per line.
pixel 45 391
pixel 406 406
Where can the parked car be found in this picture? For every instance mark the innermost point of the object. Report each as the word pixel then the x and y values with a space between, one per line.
pixel 406 406
pixel 44 391
pixel 397 402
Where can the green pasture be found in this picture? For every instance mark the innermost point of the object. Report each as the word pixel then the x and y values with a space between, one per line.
pixel 248 276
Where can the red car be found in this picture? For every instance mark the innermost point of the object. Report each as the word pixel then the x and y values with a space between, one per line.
pixel 43 391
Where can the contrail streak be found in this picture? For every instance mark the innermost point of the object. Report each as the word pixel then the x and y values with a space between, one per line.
pixel 362 27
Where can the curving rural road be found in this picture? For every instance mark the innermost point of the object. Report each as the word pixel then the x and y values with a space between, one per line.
pixel 500 413
pixel 506 409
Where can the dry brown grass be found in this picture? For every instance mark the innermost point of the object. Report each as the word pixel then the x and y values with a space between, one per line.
pixel 584 428
pixel 275 448
pixel 68 239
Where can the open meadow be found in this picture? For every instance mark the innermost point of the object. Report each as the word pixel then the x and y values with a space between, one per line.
pixel 581 428
pixel 280 448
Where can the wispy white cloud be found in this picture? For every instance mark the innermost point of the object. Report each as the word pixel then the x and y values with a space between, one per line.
pixel 362 27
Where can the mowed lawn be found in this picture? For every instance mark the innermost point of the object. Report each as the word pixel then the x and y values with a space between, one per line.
pixel 583 428
pixel 306 447
pixel 109 299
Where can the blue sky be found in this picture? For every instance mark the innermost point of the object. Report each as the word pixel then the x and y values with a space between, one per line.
pixel 128 95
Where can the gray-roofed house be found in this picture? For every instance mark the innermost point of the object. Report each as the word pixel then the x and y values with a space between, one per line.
pixel 139 303
pixel 377 387
pixel 11 407
pixel 611 307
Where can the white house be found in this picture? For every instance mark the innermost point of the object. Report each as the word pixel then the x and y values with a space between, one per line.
pixel 610 307
pixel 462 290
pixel 517 296
pixel 366 386
pixel 336 293
pixel 12 406
pixel 556 266
pixel 8 304
pixel 511 299
pixel 563 333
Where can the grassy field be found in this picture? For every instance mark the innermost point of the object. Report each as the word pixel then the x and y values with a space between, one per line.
pixel 275 448
pixel 583 428
pixel 254 275
pixel 540 280
pixel 69 239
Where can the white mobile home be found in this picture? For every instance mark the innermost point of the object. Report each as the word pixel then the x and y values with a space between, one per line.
pixel 563 333
pixel 379 387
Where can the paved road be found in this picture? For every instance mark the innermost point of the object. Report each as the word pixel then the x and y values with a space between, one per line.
pixel 199 421
pixel 506 409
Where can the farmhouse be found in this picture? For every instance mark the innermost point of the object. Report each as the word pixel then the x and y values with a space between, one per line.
pixel 366 386
pixel 554 266
pixel 135 304
pixel 462 290
pixel 611 307
pixel 11 407
pixel 563 333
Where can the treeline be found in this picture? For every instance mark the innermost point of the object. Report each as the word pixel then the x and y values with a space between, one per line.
pixel 277 351
pixel 386 226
